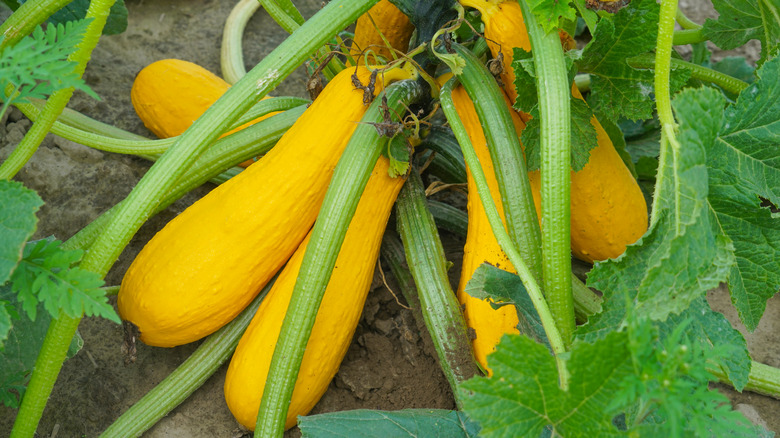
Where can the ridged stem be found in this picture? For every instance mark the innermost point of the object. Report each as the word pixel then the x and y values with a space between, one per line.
pixel 502 237
pixel 439 305
pixel 231 52
pixel 688 36
pixel 554 111
pixel 186 378
pixel 728 83
pixel 763 379
pixel 507 157
pixel 24 20
pixel 349 179
pixel 62 328
pixel 110 143
pixel 663 101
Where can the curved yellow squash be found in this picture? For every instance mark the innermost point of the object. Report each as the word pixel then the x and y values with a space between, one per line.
pixel 170 94
pixel 337 318
pixel 608 210
pixel 391 22
pixel 488 324
pixel 209 262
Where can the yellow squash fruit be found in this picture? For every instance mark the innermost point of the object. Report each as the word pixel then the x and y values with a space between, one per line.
pixel 170 94
pixel 209 262
pixel 336 320
pixel 608 210
pixel 393 25
pixel 481 246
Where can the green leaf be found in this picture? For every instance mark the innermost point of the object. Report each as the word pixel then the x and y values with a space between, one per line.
pixel 38 65
pixel 47 275
pixel 740 21
pixel 616 88
pixel 744 164
pixel 398 153
pixel 522 397
pixel 21 349
pixel 550 12
pixel 583 136
pixel 504 288
pixel 406 423
pixel 714 329
pixel 77 10
pixel 525 80
pixel 684 254
pixel 18 205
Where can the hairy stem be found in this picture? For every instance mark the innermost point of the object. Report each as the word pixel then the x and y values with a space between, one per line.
pixel 728 83
pixel 663 99
pixel 554 94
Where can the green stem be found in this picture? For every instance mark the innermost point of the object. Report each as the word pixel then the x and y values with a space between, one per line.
pixel 25 19
pixel 663 99
pixel 554 94
pixel 449 218
pixel 763 379
pixel 61 329
pixel 506 154
pixel 504 241
pixel 185 379
pixel 439 305
pixel 98 11
pixel 110 143
pixel 688 36
pixel 231 53
pixel 287 16
pixel 685 22
pixel 729 83
pixel 349 179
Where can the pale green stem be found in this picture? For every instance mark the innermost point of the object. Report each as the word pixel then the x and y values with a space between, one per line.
pixel 688 36
pixel 502 236
pixel 554 95
pixel 109 143
pixel 763 379
pixel 185 379
pixel 685 22
pixel 24 20
pixel 231 53
pixel 663 99
pixel 728 83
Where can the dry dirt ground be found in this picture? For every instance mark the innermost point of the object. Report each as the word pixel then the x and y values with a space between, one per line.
pixel 390 364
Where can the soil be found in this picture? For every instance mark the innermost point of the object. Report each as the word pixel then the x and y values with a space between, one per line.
pixel 390 364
